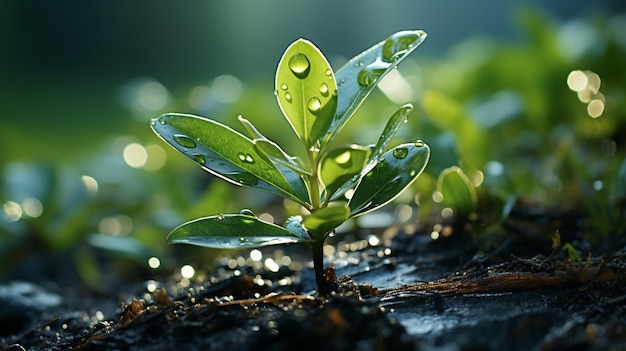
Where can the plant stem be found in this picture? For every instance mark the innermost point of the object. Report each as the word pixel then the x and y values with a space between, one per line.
pixel 314 182
pixel 317 250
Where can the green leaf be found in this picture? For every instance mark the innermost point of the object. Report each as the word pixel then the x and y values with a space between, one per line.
pixel 457 190
pixel 271 149
pixel 228 154
pixel 325 220
pixel 233 231
pixel 450 115
pixel 278 156
pixel 357 78
pixel 376 152
pixel 340 165
pixel 391 128
pixel 306 90
pixel 394 172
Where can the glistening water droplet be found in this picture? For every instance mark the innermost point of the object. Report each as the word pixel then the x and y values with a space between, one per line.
pixel 400 153
pixel 398 44
pixel 372 72
pixel 244 178
pixel 246 212
pixel 314 105
pixel 343 158
pixel 284 86
pixel 419 143
pixel 288 97
pixel 245 158
pixel 199 158
pixel 324 89
pixel 184 141
pixel 299 65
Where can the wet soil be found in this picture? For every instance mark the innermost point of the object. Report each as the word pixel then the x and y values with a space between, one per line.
pixel 405 291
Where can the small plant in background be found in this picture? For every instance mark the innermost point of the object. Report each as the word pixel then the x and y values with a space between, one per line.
pixel 333 183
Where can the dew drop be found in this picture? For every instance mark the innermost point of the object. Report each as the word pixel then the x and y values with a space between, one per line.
pixel 153 122
pixel 184 141
pixel 329 73
pixel 220 217
pixel 343 158
pixel 288 97
pixel 299 65
pixel 324 89
pixel 372 72
pixel 419 143
pixel 199 158
pixel 242 240
pixel 244 178
pixel 246 212
pixel 396 46
pixel 314 105
pixel 284 86
pixel 400 153
pixel 245 158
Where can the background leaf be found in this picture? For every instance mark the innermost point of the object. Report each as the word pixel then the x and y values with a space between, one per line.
pixel 357 78
pixel 458 191
pixel 228 154
pixel 306 90
pixel 394 172
pixel 232 231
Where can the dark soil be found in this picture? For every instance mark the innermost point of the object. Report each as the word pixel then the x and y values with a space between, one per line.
pixel 509 291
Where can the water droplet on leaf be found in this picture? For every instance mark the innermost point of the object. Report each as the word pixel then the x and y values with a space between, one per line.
pixel 245 158
pixel 343 158
pixel 314 105
pixel 400 152
pixel 324 89
pixel 246 212
pixel 372 72
pixel 284 86
pixel 299 64
pixel 288 97
pixel 419 143
pixel 398 44
pixel 328 72
pixel 184 141
pixel 199 158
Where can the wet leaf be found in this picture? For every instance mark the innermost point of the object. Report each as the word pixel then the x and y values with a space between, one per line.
pixel 391 128
pixel 375 152
pixel 228 154
pixel 458 191
pixel 233 231
pixel 394 172
pixel 341 164
pixel 306 91
pixel 357 78
pixel 325 220
pixel 280 158
pixel 270 149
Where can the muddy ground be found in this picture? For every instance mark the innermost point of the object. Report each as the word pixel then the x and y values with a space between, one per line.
pixel 400 290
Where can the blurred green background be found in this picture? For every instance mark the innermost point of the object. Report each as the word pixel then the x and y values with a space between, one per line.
pixel 526 97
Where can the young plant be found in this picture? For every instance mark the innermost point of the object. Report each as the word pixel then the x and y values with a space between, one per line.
pixel 333 184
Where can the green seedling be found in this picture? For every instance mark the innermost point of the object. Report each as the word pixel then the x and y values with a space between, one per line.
pixel 333 183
